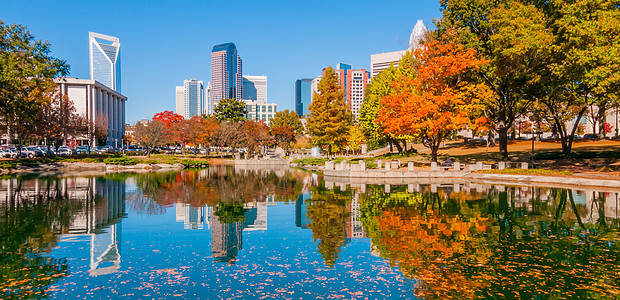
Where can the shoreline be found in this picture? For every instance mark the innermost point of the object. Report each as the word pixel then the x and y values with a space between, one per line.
pixel 78 167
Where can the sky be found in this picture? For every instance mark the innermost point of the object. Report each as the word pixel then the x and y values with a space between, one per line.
pixel 165 42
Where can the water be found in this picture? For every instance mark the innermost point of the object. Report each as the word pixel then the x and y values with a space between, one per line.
pixel 238 234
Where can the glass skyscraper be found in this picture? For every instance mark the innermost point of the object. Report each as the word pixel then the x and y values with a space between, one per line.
pixel 303 95
pixel 226 74
pixel 105 60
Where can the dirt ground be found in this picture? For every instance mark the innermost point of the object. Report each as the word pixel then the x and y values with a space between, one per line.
pixel 522 151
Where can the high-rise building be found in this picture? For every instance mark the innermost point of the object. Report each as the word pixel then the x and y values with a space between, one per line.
pixel 381 61
pixel 355 89
pixel 226 74
pixel 255 88
pixel 105 60
pixel 190 98
pixel 303 95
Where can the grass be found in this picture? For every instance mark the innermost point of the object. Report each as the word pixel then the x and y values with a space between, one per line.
pixel 534 172
pixel 315 161
pixel 116 159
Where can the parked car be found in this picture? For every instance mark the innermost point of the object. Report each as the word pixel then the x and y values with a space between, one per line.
pixel 28 153
pixel 81 150
pixel 5 153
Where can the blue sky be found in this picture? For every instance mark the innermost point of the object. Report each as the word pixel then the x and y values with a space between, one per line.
pixel 165 42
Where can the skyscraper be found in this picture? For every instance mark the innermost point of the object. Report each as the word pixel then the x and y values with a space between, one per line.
pixel 255 88
pixel 190 98
pixel 303 95
pixel 226 74
pixel 105 60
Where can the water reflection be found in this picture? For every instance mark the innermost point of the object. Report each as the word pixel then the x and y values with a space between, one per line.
pixel 442 240
pixel 495 242
pixel 34 212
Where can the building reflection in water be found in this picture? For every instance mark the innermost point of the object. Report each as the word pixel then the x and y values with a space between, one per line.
pixel 102 204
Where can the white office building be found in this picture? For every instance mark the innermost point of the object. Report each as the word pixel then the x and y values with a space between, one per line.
pixel 260 111
pixel 98 104
pixel 255 88
pixel 190 98
pixel 105 60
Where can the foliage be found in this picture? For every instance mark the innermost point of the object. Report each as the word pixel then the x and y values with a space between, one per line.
pixel 256 136
pixel 355 139
pixel 330 119
pixel 511 35
pixel 123 161
pixel 150 135
pixel 27 84
pixel 438 99
pixel 230 212
pixel 230 110
pixel 283 135
pixel 287 118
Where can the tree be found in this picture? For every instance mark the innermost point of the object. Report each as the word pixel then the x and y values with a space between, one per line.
pixel 169 118
pixel 57 120
pixel 284 136
pixel 256 135
pixel 381 86
pixel 229 134
pixel 330 119
pixel 27 75
pixel 356 138
pixel 512 36
pixel 203 130
pixel 438 99
pixel 585 67
pixel 287 118
pixel 231 110
pixel 150 135
pixel 183 133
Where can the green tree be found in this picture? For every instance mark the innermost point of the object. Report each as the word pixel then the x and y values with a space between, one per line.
pixel 27 75
pixel 330 119
pixel 585 67
pixel 513 37
pixel 287 118
pixel 231 110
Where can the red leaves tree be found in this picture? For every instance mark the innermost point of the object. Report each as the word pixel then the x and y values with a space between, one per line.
pixel 437 98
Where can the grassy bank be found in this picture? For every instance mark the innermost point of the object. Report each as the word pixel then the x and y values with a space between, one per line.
pixel 108 160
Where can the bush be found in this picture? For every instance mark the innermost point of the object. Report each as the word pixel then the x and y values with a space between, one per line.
pixel 123 161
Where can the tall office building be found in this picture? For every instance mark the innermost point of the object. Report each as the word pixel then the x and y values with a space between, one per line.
pixel 355 89
pixel 190 98
pixel 303 95
pixel 255 88
pixel 380 62
pixel 226 74
pixel 105 60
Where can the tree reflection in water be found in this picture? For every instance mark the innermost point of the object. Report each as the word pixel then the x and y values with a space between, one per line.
pixel 472 245
pixel 30 222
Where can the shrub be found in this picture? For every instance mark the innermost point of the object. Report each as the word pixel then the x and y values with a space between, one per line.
pixel 123 161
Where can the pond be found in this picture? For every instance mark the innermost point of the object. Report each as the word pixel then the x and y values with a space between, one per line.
pixel 233 233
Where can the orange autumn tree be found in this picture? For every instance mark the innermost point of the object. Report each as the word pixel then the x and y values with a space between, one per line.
pixel 438 98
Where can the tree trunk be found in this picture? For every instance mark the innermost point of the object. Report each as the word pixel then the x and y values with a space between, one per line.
pixel 601 122
pixel 503 142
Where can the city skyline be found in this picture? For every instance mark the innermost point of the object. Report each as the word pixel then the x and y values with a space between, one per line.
pixel 274 39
